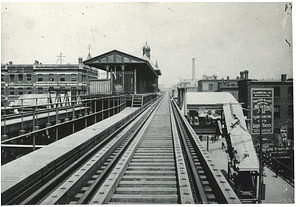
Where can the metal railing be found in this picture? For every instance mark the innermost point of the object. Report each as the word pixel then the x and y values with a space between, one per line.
pixel 89 111
pixel 279 168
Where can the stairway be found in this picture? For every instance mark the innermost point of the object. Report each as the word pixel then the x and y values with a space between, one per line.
pixel 137 101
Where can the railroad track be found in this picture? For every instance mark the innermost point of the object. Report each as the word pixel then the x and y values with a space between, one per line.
pixel 151 160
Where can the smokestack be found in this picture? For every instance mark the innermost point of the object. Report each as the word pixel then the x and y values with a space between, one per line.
pixel 246 74
pixel 242 75
pixel 193 68
pixel 283 77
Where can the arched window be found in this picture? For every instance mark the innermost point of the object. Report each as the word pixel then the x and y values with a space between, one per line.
pixel 276 91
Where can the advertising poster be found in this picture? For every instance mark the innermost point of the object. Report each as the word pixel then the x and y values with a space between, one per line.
pixel 262 99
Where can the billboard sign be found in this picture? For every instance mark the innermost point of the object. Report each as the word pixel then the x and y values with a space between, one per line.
pixel 262 98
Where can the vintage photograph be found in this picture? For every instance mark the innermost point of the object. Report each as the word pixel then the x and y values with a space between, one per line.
pixel 147 103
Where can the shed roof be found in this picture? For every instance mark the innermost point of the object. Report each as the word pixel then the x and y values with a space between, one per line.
pixel 118 57
pixel 209 98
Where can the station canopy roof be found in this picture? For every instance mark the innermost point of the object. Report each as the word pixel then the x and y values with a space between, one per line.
pixel 117 57
pixel 209 98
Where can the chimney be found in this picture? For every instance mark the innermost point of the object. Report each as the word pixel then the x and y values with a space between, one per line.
pixel 215 77
pixel 242 75
pixel 246 74
pixel 10 62
pixel 227 82
pixel 80 60
pixel 283 77
pixel 237 78
pixel 193 68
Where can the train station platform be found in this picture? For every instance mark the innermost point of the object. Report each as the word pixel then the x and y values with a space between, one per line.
pixel 278 191
pixel 24 169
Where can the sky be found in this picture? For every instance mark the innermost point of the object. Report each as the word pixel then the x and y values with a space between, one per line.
pixel 224 38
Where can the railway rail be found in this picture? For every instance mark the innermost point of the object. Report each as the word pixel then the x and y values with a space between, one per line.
pixel 154 158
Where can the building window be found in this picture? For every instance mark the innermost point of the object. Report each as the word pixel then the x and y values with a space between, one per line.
pixel 277 91
pixel 20 91
pixel 2 91
pixel 28 77
pixel 51 77
pixel 20 77
pixel 290 91
pixel 11 91
pixel 2 78
pixel 28 90
pixel 211 87
pixel 11 77
pixel 277 111
pixel 40 77
pixel 62 77
pixel 290 111
pixel 40 90
pixel 205 87
pixel 73 77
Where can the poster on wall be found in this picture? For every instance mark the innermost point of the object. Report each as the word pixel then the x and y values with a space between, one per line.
pixel 262 98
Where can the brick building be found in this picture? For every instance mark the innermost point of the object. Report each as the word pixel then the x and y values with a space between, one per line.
pixel 37 78
pixel 212 84
pixel 283 102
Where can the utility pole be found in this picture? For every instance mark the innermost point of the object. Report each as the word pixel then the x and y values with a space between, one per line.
pixel 60 58
pixel 261 168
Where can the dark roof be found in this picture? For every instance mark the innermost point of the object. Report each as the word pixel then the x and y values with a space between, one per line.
pixel 118 57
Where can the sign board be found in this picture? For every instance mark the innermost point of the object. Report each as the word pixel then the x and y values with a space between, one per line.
pixel 262 98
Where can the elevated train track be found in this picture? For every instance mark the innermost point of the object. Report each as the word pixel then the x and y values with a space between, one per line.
pixel 154 157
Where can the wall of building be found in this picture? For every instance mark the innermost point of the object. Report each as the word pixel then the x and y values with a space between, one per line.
pixel 283 102
pixel 18 79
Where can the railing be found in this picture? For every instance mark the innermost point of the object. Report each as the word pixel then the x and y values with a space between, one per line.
pixel 279 168
pixel 89 111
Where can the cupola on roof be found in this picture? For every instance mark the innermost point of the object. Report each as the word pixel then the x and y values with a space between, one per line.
pixel 146 50
pixel 146 47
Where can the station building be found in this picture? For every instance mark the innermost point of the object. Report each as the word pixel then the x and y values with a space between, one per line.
pixel 126 74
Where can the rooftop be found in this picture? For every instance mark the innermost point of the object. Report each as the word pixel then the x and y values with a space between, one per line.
pixel 209 98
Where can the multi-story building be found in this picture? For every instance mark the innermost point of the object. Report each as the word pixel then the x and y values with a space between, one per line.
pixel 37 78
pixel 282 102
pixel 212 84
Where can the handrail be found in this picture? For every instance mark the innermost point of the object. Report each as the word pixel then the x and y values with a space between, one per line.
pixel 279 168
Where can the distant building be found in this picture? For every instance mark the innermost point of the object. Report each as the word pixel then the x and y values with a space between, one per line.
pixel 190 84
pixel 283 102
pixel 38 78
pixel 212 84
